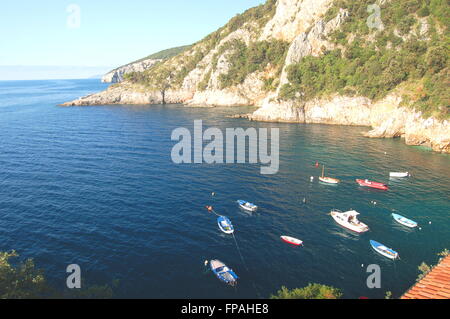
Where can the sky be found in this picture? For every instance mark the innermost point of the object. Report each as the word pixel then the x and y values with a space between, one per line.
pixel 104 34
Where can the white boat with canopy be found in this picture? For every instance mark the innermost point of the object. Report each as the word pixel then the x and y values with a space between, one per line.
pixel 349 220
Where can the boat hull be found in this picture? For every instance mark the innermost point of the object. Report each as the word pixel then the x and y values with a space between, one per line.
pixel 223 273
pixel 225 225
pixel 400 175
pixel 405 221
pixel 329 180
pixel 340 220
pixel 370 184
pixel 247 206
pixel 292 241
pixel 384 251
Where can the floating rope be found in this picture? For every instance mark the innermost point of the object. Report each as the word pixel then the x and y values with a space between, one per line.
pixel 211 210
pixel 246 267
pixel 240 254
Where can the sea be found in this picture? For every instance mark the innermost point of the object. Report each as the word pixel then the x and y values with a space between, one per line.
pixel 97 187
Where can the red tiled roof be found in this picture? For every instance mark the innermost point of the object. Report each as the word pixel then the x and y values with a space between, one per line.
pixel 435 285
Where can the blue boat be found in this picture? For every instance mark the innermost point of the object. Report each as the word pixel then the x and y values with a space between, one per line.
pixel 404 221
pixel 247 206
pixel 223 273
pixel 225 225
pixel 383 250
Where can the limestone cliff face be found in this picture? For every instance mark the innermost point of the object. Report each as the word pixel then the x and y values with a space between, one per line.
pixel 387 118
pixel 116 76
pixel 293 18
pixel 302 24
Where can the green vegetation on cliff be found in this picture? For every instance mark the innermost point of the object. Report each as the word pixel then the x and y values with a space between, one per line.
pixel 182 64
pixel 312 291
pixel 408 53
pixel 245 60
pixel 161 55
pixel 167 54
pixel 412 49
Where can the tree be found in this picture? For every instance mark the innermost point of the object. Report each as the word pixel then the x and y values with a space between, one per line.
pixel 312 291
pixel 423 12
pixel 23 281
pixel 437 59
pixel 425 269
pixel 444 253
pixel 161 81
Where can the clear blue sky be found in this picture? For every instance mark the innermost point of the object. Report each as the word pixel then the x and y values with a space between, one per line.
pixel 111 33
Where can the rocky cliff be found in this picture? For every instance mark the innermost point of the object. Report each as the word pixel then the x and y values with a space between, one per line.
pixel 387 118
pixel 116 75
pixel 139 66
pixel 249 62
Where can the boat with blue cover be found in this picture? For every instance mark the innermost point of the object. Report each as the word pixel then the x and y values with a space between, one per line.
pixel 225 225
pixel 404 221
pixel 247 206
pixel 223 273
pixel 383 250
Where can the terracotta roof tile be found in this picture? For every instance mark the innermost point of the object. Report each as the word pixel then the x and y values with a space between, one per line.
pixel 435 285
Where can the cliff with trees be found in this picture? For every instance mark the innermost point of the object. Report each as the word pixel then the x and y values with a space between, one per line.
pixel 382 64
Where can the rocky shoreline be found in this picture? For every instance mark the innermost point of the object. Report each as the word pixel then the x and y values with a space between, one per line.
pixel 386 118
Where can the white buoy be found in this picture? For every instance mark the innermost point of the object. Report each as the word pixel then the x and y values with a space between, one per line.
pixel 430 223
pixel 312 178
pixel 213 194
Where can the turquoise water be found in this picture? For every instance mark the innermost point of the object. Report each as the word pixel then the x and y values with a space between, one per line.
pixel 96 186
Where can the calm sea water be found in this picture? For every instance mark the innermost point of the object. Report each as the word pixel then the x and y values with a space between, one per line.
pixel 96 186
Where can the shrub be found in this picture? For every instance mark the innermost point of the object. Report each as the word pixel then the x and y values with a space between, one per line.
pixel 312 291
pixel 256 57
pixel 423 12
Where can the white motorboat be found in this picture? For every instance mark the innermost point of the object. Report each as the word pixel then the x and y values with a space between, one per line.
pixel 349 220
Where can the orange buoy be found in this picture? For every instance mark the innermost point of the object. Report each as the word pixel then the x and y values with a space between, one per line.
pixel 209 208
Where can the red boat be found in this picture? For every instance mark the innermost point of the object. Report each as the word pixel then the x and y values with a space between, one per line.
pixel 367 183
pixel 292 240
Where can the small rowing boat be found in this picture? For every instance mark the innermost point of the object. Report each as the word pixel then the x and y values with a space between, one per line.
pixel 383 250
pixel 292 240
pixel 349 220
pixel 223 273
pixel 247 206
pixel 225 225
pixel 371 184
pixel 328 180
pixel 399 175
pixel 405 221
